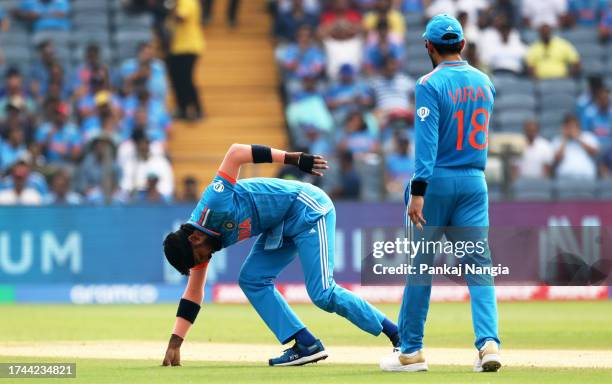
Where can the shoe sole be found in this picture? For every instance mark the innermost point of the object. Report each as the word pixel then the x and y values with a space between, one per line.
pixel 416 367
pixel 304 360
pixel 491 363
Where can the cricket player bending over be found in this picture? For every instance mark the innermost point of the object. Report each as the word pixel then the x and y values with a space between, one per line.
pixel 289 218
pixel 454 103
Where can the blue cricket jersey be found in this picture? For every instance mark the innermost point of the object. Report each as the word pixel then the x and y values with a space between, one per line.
pixel 454 104
pixel 236 210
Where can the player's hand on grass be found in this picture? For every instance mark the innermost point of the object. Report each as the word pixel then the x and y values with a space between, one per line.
pixel 173 352
pixel 415 211
pixel 313 164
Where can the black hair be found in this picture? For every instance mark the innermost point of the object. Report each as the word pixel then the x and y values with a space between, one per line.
pixel 178 251
pixel 569 117
pixel 12 72
pixel 448 49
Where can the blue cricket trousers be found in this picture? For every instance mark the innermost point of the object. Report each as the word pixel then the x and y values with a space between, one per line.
pixel 454 198
pixel 313 243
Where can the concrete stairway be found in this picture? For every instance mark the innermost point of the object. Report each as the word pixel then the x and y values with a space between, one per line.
pixel 237 79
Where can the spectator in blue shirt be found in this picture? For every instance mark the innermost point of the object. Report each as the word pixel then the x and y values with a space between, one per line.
pixel 34 180
pixel 46 15
pixel 347 93
pixel 98 85
pixel 587 97
pixel 587 13
pixel 399 168
pixel 349 186
pixel 288 22
pixel 13 91
pixel 412 6
pixel 303 57
pixel 144 112
pixel 59 139
pixel 147 69
pixel 61 192
pixel 104 121
pixel 605 26
pixel 99 165
pixel 40 71
pixel 380 47
pixel 82 75
pixel 308 108
pixel 12 149
pixel 357 137
pixel 598 118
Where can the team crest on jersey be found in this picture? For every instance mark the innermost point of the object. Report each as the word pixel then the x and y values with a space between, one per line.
pixel 218 186
pixel 229 225
pixel 423 112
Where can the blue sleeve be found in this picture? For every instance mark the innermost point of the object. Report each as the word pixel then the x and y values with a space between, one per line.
pixel 426 131
pixel 220 193
pixel 41 134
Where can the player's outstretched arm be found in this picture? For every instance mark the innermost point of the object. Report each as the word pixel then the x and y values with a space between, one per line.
pixel 186 314
pixel 239 154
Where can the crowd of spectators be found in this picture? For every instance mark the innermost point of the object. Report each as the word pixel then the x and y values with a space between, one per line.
pixel 91 133
pixel 349 68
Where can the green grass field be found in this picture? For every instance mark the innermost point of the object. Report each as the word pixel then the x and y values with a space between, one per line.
pixel 538 325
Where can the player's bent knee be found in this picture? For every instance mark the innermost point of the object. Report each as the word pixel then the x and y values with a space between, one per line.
pixel 323 299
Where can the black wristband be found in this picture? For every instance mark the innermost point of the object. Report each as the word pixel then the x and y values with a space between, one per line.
pixel 306 162
pixel 261 154
pixel 418 188
pixel 188 310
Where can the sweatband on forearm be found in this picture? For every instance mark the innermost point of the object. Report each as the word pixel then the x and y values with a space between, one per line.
pixel 418 188
pixel 261 154
pixel 188 310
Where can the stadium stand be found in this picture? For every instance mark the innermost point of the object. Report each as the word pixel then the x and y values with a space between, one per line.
pixel 81 76
pixel 581 44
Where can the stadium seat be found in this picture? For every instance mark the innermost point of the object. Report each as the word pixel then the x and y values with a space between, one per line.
pixel 11 37
pixel 418 67
pixel 93 21
pixel 78 6
pixel 127 22
pixel 16 55
pixel 507 119
pixel 565 86
pixel 511 101
pixel 414 22
pixel 550 131
pixel 531 189
pixel 551 118
pixel 82 37
pixel 592 66
pixel 579 189
pixel 604 189
pixel 580 35
pixel 559 102
pixel 57 37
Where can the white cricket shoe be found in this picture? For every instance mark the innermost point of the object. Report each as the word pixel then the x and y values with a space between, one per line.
pixel 488 359
pixel 402 362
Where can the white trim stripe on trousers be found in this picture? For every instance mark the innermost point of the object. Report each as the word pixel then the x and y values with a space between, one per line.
pixel 322 231
pixel 323 251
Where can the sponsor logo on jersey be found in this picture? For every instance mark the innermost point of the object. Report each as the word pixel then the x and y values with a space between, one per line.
pixel 423 112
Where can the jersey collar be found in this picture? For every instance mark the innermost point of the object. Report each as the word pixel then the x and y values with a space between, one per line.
pixel 453 63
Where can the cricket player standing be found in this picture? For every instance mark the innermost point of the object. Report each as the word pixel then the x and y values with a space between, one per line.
pixel 290 219
pixel 454 103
